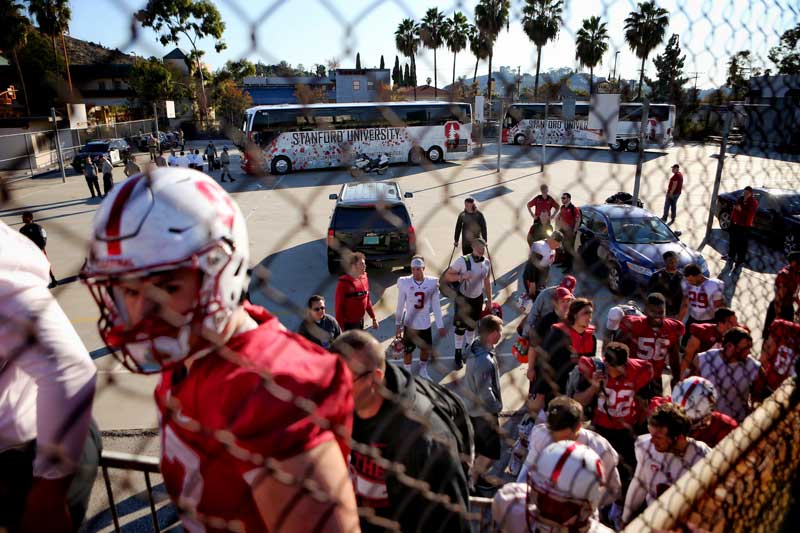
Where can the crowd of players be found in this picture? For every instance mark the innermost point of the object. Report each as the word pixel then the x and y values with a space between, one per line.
pixel 266 430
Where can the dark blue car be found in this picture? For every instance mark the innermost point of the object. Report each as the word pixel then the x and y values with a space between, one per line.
pixel 626 244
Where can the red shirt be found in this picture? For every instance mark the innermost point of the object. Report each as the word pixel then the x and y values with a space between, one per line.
pixel 789 281
pixel 648 344
pixel 780 365
pixel 218 395
pixel 744 213
pixel 707 334
pixel 721 424
pixel 568 215
pixel 616 409
pixel 677 180
pixel 352 299
pixel 541 204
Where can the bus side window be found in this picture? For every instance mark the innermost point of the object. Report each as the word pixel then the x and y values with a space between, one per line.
pixel 415 116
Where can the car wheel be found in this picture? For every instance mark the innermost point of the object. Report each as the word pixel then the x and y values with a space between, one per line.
pixel 615 279
pixel 725 220
pixel 790 243
pixel 519 138
pixel 435 154
pixel 415 156
pixel 617 146
pixel 281 165
pixel 632 145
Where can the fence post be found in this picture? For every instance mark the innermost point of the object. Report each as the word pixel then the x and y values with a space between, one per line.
pixel 58 146
pixel 723 145
pixel 500 133
pixel 544 135
pixel 637 182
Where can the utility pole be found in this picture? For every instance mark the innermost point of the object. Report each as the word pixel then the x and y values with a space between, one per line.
pixel 723 145
pixel 694 93
pixel 58 146
pixel 614 73
pixel 519 81
pixel 640 159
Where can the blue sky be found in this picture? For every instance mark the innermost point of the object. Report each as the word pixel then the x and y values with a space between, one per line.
pixel 313 31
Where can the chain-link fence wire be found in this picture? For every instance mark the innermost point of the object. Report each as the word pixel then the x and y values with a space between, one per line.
pixel 289 233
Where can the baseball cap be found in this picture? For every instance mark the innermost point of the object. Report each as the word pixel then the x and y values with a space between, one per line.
pixel 479 240
pixel 557 236
pixel 568 283
pixel 563 294
pixel 417 262
pixel 614 319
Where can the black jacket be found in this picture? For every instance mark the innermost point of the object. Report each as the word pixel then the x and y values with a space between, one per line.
pixel 400 439
pixel 36 233
pixel 470 226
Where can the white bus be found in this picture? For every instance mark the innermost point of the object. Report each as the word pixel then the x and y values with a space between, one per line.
pixel 297 137
pixel 524 124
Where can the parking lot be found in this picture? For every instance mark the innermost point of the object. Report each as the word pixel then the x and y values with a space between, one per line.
pixel 288 216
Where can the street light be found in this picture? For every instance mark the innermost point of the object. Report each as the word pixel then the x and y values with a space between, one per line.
pixel 614 73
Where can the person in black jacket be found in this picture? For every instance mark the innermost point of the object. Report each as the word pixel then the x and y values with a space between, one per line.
pixel 394 417
pixel 319 327
pixel 669 282
pixel 470 225
pixel 38 235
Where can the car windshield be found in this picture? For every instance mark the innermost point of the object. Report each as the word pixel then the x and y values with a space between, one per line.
pixel 371 219
pixel 646 230
pixel 96 147
pixel 790 204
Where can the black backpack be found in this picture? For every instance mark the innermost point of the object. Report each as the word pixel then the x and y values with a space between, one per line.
pixel 451 410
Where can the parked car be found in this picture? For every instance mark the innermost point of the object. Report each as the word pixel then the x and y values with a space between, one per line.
pixel 777 218
pixel 117 150
pixel 165 141
pixel 371 218
pixel 626 244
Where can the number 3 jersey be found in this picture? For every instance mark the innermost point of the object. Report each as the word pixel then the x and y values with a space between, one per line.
pixel 418 299
pixel 649 344
pixel 616 405
pixel 220 422
pixel 702 297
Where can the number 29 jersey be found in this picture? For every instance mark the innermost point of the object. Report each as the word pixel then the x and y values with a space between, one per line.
pixel 649 344
pixel 702 297
pixel 418 299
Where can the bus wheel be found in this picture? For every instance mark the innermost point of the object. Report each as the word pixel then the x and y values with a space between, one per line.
pixel 617 146
pixel 633 145
pixel 435 154
pixel 281 165
pixel 519 139
pixel 415 156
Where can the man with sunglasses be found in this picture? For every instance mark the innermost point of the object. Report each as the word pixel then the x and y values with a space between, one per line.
pixel 318 326
pixel 568 220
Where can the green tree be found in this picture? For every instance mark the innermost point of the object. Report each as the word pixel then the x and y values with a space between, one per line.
pixel 480 47
pixel 383 64
pixel 53 18
pixel 13 37
pixel 432 33
pixel 406 39
pixel 407 78
pixel 786 55
pixel 457 32
pixel 230 102
pixel 669 82
pixel 591 44
pixel 358 60
pixel 740 69
pixel 36 61
pixel 236 71
pixel 490 18
pixel 192 19
pixel 644 31
pixel 151 80
pixel 397 74
pixel 541 20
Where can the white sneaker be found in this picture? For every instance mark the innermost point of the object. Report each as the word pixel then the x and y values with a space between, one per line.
pixel 423 372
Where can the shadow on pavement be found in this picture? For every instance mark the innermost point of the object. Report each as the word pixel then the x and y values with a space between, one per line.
pixel 761 257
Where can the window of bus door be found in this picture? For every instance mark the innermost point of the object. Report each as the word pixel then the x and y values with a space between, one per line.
pixel 659 112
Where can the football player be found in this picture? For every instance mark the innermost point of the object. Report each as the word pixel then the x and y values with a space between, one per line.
pixel 704 336
pixel 654 338
pixel 249 412
pixel 778 356
pixel 417 296
pixel 701 295
pixel 698 397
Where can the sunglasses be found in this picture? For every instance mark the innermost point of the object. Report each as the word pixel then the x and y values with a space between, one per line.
pixel 320 308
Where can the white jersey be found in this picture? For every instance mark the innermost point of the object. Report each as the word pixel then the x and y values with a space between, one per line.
pixel 541 437
pixel 732 381
pixel 702 297
pixel 656 471
pixel 418 299
pixel 46 374
pixel 510 506
pixel 172 160
pixel 472 286
pixel 543 255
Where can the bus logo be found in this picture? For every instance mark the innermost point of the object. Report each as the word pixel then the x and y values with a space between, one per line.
pixel 451 133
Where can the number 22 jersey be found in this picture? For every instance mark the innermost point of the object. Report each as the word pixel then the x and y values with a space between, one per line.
pixel 616 405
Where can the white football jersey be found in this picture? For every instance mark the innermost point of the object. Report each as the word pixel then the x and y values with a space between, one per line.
pixel 418 299
pixel 702 297
pixel 472 286
pixel 541 437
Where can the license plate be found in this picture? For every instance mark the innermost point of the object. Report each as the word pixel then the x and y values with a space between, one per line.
pixel 372 239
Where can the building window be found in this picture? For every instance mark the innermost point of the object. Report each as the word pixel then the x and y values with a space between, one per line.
pixel 117 85
pixel 370 85
pixel 356 85
pixel 101 85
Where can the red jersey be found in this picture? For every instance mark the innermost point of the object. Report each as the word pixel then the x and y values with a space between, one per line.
pixel 707 334
pixel 219 402
pixel 676 179
pixel 540 204
pixel 790 281
pixel 616 409
pixel 568 215
pixel 780 365
pixel 746 212
pixel 721 424
pixel 352 299
pixel 648 344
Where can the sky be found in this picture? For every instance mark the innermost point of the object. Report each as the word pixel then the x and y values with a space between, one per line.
pixel 308 32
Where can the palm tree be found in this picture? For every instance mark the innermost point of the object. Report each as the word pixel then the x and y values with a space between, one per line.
pixel 644 31
pixel 432 33
pixel 541 20
pixel 480 47
pixel 490 17
pixel 406 39
pixel 591 41
pixel 14 36
pixel 456 34
pixel 53 17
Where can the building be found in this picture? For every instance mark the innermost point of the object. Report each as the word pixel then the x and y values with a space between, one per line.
pixel 774 120
pixel 424 92
pixel 282 90
pixel 361 85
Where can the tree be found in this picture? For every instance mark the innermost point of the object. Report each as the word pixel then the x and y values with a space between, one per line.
pixel 591 44
pixel 541 20
pixel 457 32
pixel 644 31
pixel 480 47
pixel 669 82
pixel 358 61
pixel 397 74
pixel 53 17
pixel 151 81
pixel 407 79
pixel 192 19
pixel 490 18
pixel 786 56
pixel 432 33
pixel 230 102
pixel 13 37
pixel 332 64
pixel 406 39
pixel 237 70
pixel 737 80
pixel 383 64
pixel 319 70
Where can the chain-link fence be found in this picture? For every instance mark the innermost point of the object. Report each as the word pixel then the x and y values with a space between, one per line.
pixel 647 300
